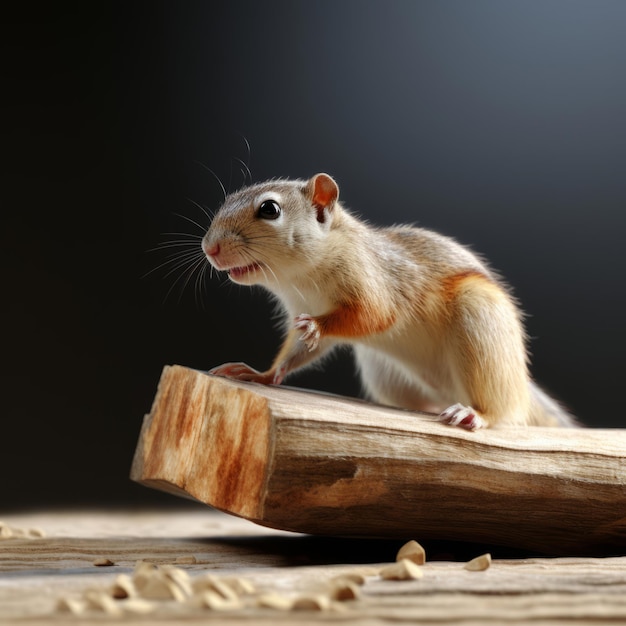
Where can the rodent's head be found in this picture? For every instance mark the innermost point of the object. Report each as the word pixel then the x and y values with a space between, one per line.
pixel 272 231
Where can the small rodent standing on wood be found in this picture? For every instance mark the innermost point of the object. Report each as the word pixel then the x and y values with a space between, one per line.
pixel 433 328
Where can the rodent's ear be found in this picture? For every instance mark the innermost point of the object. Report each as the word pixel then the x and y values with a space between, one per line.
pixel 323 191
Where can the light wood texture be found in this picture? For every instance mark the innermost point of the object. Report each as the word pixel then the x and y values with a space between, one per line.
pixel 36 573
pixel 315 463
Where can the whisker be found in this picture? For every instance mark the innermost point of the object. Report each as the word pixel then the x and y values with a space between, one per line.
pixel 202 228
pixel 180 259
pixel 247 174
pixel 181 234
pixel 183 261
pixel 186 275
pixel 190 273
pixel 173 244
pixel 206 211
pixel 199 284
pixel 189 236
pixel 179 256
pixel 248 150
pixel 264 258
pixel 217 178
pixel 269 267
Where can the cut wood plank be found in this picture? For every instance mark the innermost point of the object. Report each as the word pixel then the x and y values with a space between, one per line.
pixel 322 464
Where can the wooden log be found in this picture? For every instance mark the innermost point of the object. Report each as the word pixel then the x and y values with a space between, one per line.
pixel 322 464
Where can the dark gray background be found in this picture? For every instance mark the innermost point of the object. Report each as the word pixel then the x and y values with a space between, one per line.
pixel 501 123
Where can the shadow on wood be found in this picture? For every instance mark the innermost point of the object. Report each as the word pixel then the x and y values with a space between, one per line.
pixel 321 464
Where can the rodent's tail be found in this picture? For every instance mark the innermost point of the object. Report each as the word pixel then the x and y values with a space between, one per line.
pixel 546 411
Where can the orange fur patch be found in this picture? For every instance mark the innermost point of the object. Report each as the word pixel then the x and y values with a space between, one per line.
pixel 452 285
pixel 354 321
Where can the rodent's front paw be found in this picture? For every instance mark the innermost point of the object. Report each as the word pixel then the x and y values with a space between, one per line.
pixel 241 371
pixel 311 331
pixel 463 417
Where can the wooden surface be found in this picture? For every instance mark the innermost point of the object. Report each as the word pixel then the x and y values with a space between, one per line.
pixel 36 573
pixel 327 465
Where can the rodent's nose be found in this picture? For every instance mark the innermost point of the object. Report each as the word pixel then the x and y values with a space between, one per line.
pixel 214 250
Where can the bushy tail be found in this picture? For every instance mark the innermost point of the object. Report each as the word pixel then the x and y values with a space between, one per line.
pixel 545 411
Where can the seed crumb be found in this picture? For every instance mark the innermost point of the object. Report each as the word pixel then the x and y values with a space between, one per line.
pixel 5 532
pixel 479 564
pixel 9 532
pixel 412 551
pixel 274 601
pixel 211 599
pixel 240 586
pixel 98 600
pixel 123 588
pixel 315 602
pixel 402 570
pixel 71 605
pixel 344 590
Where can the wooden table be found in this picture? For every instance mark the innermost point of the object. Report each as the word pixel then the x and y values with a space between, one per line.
pixel 36 572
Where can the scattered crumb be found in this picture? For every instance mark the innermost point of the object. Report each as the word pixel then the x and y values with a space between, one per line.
pixel 165 584
pixel 214 585
pixel 143 571
pixel 103 562
pixel 10 532
pixel 123 587
pixel 99 600
pixel 274 601
pixel 152 587
pixel 412 551
pixel 402 570
pixel 343 590
pixel 179 577
pixel 203 583
pixel 317 602
pixel 5 532
pixel 71 605
pixel 241 586
pixel 213 600
pixel 479 564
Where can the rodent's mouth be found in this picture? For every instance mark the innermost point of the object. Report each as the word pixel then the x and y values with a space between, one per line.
pixel 238 272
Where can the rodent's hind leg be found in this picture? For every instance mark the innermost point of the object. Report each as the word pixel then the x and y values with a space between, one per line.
pixel 386 383
pixel 242 371
pixel 463 417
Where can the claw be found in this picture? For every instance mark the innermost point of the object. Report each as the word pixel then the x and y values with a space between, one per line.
pixel 311 331
pixel 280 374
pixel 463 417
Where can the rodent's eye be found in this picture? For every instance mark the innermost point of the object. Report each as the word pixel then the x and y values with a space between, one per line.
pixel 269 210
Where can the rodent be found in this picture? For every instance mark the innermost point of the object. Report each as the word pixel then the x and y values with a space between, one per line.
pixel 432 326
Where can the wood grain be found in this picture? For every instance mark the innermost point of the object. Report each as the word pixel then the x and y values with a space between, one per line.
pixel 36 573
pixel 321 464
